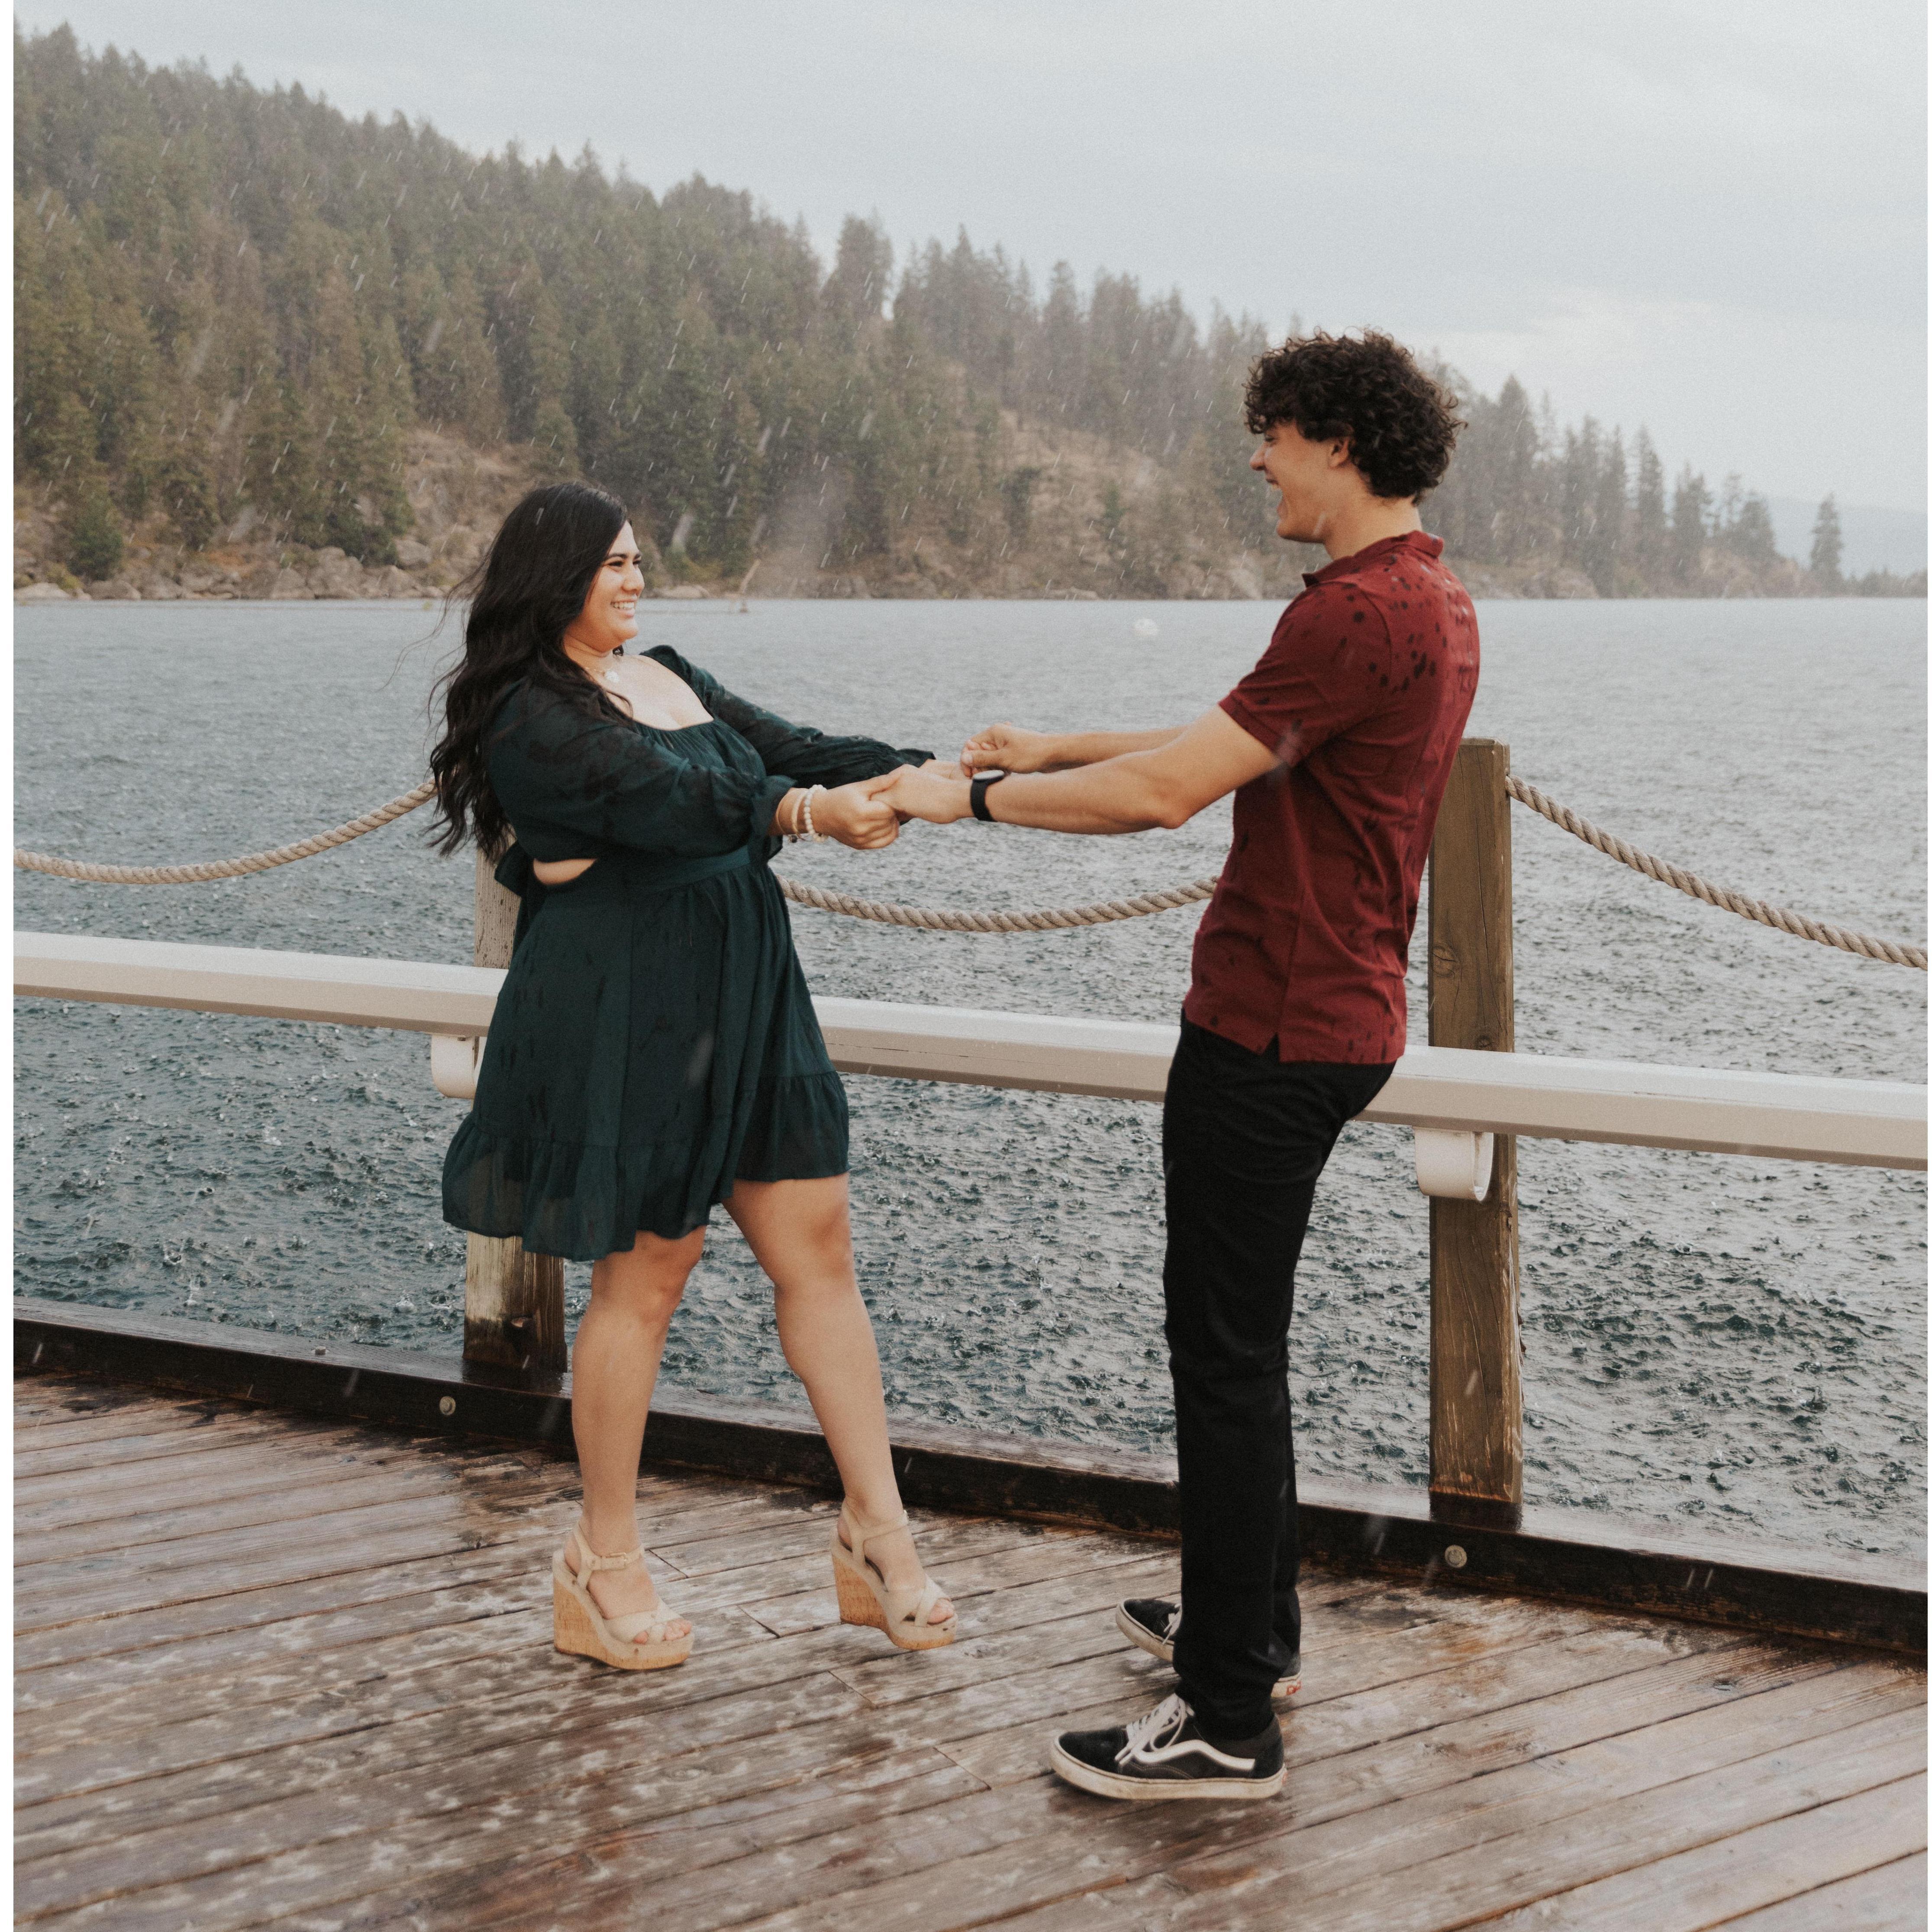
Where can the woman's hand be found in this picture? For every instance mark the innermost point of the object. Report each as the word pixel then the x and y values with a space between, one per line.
pixel 857 814
pixel 921 792
pixel 1007 748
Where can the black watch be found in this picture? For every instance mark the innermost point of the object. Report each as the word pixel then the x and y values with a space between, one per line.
pixel 979 798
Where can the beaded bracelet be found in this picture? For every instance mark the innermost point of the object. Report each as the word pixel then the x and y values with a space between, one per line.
pixel 812 831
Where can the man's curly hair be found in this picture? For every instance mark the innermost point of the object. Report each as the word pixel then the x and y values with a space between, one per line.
pixel 1400 424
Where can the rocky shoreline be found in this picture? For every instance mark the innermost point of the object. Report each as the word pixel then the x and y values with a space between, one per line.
pixel 327 574
pixel 331 574
pixel 459 494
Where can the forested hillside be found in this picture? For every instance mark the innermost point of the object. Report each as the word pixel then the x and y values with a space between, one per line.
pixel 262 348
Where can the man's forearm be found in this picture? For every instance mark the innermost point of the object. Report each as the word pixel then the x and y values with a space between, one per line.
pixel 1162 779
pixel 1109 795
pixel 1069 750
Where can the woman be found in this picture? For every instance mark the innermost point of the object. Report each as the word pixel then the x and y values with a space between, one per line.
pixel 654 1052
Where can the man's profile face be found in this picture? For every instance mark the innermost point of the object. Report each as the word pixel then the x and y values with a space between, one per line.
pixel 1309 476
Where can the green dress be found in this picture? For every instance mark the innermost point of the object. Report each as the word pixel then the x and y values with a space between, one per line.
pixel 654 1041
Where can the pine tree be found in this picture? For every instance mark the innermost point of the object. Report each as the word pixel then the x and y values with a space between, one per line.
pixel 1608 510
pixel 467 386
pixel 1016 489
pixel 286 464
pixel 1730 506
pixel 1577 493
pixel 1650 522
pixel 1689 528
pixel 1522 518
pixel 861 277
pixel 187 493
pixel 1827 549
pixel 1060 370
pixel 596 382
pixel 534 361
pixel 1753 535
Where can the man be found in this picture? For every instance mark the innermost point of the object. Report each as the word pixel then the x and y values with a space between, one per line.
pixel 1337 747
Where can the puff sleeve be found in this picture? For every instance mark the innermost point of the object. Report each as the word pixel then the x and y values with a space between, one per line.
pixel 806 756
pixel 576 785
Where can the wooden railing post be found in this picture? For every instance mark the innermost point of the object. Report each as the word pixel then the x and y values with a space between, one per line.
pixel 512 1302
pixel 1475 1387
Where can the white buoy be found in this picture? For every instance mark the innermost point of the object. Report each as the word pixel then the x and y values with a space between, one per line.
pixel 1146 627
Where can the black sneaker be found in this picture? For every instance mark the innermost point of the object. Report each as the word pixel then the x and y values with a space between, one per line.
pixel 1153 1623
pixel 1165 1755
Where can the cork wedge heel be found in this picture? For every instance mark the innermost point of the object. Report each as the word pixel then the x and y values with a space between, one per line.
pixel 637 1641
pixel 905 1615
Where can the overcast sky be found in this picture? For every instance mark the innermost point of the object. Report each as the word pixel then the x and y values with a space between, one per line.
pixel 1709 218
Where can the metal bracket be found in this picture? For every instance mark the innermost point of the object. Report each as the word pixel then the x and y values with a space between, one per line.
pixel 1452 1166
pixel 454 1061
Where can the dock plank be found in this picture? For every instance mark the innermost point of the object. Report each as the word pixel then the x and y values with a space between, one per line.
pixel 113 1454
pixel 84 1494
pixel 1891 1898
pixel 279 1672
pixel 1837 1837
pixel 49 1504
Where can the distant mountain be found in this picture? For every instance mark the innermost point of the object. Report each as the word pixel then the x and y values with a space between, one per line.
pixel 1875 538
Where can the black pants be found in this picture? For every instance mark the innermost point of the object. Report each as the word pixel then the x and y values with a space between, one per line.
pixel 1244 1139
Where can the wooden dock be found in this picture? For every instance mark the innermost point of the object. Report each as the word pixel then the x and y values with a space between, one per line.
pixel 279 1671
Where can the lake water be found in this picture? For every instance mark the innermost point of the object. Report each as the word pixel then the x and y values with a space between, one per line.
pixel 1738 1342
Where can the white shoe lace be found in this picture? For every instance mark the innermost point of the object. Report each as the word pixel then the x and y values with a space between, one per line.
pixel 1157 1727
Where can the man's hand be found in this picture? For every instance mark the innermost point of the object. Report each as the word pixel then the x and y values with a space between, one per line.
pixel 1011 748
pixel 1005 748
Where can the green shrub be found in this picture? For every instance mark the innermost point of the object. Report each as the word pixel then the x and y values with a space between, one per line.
pixel 189 496
pixel 94 542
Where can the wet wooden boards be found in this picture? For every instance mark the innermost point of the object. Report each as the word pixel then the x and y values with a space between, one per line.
pixel 279 1671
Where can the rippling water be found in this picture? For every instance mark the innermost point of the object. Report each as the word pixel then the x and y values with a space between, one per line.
pixel 1740 1342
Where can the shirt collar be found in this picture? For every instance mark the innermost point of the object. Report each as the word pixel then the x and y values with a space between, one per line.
pixel 1420 542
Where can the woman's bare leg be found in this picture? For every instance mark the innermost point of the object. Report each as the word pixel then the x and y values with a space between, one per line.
pixel 801 1232
pixel 613 1369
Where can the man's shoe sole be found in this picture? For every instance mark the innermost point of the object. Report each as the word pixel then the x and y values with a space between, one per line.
pixel 1145 1639
pixel 1285 1687
pixel 1145 1791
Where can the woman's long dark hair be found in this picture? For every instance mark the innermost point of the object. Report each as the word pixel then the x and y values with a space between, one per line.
pixel 525 594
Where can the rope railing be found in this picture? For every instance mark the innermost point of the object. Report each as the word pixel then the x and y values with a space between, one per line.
pixel 1800 926
pixel 226 869
pixel 1050 919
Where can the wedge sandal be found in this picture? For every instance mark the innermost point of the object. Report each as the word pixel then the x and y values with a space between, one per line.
pixel 905 1615
pixel 635 1641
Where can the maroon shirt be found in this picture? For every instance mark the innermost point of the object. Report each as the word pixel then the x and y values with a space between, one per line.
pixel 1363 691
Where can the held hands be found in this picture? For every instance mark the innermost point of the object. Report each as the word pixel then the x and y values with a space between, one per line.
pixel 858 815
pixel 939 792
pixel 867 815
pixel 935 792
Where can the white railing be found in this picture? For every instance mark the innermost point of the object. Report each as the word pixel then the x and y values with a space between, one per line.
pixel 1436 1090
